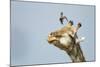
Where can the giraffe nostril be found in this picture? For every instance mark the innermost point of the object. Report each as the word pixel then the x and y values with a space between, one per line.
pixel 50 33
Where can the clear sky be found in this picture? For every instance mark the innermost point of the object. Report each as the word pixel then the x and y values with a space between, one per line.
pixel 32 22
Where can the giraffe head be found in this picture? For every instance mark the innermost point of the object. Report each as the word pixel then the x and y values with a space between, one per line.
pixel 64 40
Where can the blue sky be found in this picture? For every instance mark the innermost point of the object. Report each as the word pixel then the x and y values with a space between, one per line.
pixel 32 22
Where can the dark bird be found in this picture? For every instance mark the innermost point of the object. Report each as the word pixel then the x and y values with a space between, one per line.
pixel 62 18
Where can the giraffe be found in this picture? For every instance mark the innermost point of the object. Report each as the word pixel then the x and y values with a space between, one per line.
pixel 67 43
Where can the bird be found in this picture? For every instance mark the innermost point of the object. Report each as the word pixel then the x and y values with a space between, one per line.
pixel 62 18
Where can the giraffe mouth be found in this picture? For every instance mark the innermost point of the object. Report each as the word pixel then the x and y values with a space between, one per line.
pixel 51 39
